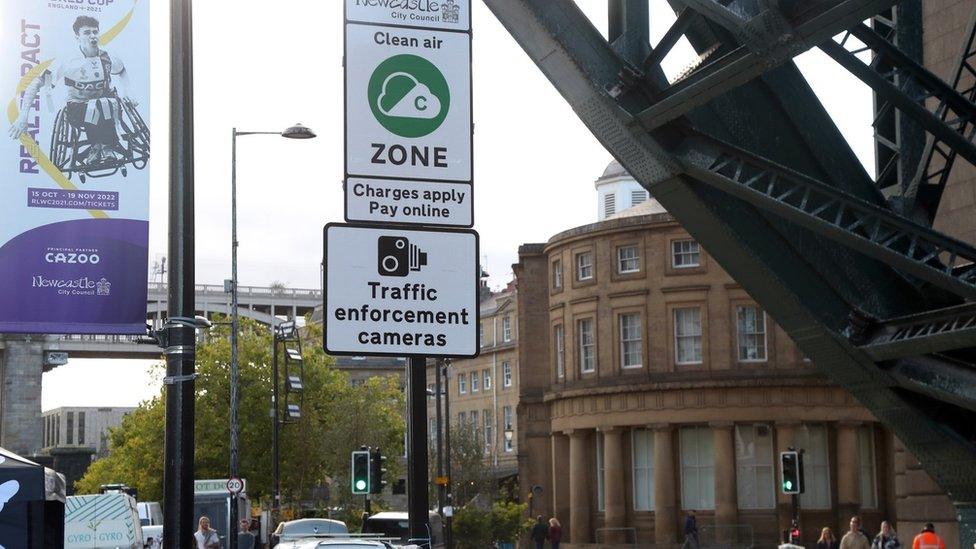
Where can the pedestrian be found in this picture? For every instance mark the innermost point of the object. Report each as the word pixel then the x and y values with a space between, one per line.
pixel 855 538
pixel 928 539
pixel 886 538
pixel 539 532
pixel 556 533
pixel 827 539
pixel 205 536
pixel 691 531
pixel 245 539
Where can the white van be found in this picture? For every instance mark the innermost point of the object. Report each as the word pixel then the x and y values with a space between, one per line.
pixel 150 513
pixel 105 521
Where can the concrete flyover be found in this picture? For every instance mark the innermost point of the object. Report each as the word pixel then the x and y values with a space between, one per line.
pixel 24 357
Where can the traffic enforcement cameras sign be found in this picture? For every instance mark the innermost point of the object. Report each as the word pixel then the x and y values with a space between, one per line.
pixel 401 292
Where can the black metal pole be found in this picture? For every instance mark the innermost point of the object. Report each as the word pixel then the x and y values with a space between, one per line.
pixel 449 523
pixel 440 438
pixel 417 500
pixel 179 335
pixel 275 480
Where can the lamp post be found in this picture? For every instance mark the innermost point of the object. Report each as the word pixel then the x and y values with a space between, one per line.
pixel 294 132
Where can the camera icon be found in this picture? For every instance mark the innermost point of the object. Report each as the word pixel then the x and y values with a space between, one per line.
pixel 396 256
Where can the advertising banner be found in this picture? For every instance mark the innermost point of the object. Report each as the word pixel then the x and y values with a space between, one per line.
pixel 74 158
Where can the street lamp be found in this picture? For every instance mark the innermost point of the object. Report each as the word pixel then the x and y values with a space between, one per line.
pixel 294 132
pixel 509 434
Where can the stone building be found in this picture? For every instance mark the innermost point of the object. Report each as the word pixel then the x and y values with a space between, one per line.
pixel 484 391
pixel 651 384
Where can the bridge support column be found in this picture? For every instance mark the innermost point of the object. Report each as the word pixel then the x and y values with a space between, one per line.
pixel 21 365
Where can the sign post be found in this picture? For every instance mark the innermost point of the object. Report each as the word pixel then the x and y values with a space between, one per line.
pixel 402 277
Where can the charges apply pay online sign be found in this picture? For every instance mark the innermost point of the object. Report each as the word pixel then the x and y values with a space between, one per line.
pixel 397 291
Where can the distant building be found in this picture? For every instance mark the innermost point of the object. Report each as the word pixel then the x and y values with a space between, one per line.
pixel 81 427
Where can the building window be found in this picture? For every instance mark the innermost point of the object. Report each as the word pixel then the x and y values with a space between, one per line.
pixel 481 333
pixel 631 346
pixel 81 427
pixel 609 204
pixel 507 416
pixel 584 266
pixel 557 274
pixel 559 337
pixel 475 425
pixel 488 428
pixel 751 327
pixel 474 381
pixel 687 336
pixel 587 345
pixel 601 500
pixel 643 461
pixel 506 374
pixel 462 383
pixel 486 374
pixel 816 469
pixel 507 328
pixel 685 254
pixel 71 428
pixel 755 475
pixel 697 468
pixel 431 393
pixel 865 448
pixel 462 419
pixel 638 197
pixel 628 260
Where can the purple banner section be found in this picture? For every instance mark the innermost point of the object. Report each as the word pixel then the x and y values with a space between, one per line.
pixel 81 276
pixel 72 200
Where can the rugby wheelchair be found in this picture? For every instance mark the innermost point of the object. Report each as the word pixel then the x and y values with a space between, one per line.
pixel 71 147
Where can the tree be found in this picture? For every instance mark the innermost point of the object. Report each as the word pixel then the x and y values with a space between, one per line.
pixel 471 472
pixel 336 418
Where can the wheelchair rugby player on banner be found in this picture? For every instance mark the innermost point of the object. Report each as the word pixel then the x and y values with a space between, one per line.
pixel 98 132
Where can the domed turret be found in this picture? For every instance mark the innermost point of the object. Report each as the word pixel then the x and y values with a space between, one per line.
pixel 617 191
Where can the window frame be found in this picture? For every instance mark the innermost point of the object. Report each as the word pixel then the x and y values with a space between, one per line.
pixel 582 345
pixel 474 383
pixel 578 256
pixel 506 374
pixel 486 379
pixel 677 337
pixel 675 253
pixel 761 316
pixel 601 471
pixel 559 351
pixel 620 260
pixel 649 469
pixel 507 328
pixel 557 274
pixel 869 459
pixel 462 383
pixel 811 468
pixel 622 343
pixel 755 467
pixel 699 467
pixel 508 419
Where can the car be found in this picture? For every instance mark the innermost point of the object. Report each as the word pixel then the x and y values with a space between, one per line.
pixel 343 543
pixel 395 524
pixel 292 531
pixel 153 536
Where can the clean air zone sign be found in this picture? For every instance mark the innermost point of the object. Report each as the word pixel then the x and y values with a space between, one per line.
pixel 408 91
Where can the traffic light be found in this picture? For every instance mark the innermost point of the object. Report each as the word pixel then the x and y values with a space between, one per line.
pixel 376 471
pixel 360 472
pixel 791 464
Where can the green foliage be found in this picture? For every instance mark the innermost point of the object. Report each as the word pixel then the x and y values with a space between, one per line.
pixel 336 418
pixel 471 470
pixel 509 522
pixel 472 528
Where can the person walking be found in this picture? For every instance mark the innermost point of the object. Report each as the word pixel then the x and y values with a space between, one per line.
pixel 691 531
pixel 555 533
pixel 855 538
pixel 205 536
pixel 928 539
pixel 886 538
pixel 539 532
pixel 827 539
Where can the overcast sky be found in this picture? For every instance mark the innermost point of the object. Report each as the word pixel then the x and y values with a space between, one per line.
pixel 262 69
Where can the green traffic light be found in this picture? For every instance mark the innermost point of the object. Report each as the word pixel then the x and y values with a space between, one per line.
pixel 787 485
pixel 360 484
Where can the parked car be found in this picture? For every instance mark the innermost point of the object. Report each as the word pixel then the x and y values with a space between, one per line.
pixel 153 536
pixel 342 543
pixel 150 513
pixel 289 533
pixel 395 524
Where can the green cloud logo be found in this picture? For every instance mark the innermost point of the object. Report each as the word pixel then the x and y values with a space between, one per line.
pixel 408 96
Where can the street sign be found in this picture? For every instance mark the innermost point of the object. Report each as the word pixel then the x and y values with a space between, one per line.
pixel 408 103
pixel 441 481
pixel 411 202
pixel 235 485
pixel 215 486
pixel 439 14
pixel 400 292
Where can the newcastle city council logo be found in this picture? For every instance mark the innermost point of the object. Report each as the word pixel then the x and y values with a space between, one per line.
pixel 103 287
pixel 450 12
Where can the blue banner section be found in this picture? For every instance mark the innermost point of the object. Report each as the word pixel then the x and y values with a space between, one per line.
pixel 75 166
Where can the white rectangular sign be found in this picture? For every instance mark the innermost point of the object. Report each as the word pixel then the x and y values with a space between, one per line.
pixel 437 14
pixel 411 202
pixel 408 103
pixel 401 292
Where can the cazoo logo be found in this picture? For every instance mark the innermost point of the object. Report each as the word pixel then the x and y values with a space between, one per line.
pixel 72 258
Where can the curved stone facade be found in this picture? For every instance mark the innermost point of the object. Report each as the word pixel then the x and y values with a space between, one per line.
pixel 653 385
